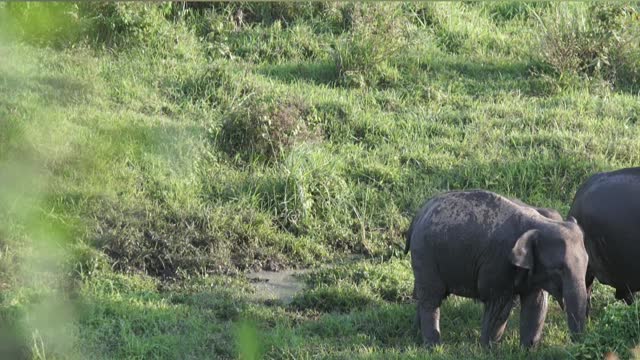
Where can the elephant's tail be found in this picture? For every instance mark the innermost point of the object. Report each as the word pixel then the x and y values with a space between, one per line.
pixel 407 237
pixel 409 232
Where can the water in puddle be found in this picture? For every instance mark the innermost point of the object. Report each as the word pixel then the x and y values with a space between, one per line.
pixel 277 285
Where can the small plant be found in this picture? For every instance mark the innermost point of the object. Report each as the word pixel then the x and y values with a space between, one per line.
pixel 265 128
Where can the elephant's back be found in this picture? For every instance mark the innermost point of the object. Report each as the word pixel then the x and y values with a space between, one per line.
pixel 464 212
pixel 609 200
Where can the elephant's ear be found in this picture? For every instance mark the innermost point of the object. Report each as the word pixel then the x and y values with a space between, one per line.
pixel 522 252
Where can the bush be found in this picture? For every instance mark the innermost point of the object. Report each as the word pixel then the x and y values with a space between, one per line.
pixel 599 41
pixel 378 33
pixel 265 128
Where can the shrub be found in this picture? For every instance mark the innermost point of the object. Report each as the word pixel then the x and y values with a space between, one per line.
pixel 599 41
pixel 265 128
pixel 378 33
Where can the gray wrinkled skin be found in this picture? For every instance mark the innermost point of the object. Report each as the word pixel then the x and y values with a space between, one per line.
pixel 607 207
pixel 481 245
pixel 546 212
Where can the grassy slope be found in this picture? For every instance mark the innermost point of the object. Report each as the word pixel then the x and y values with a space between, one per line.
pixel 123 150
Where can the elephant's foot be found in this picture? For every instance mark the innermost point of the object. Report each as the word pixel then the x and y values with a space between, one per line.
pixel 429 319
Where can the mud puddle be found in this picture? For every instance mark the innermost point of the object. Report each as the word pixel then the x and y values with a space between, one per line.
pixel 277 285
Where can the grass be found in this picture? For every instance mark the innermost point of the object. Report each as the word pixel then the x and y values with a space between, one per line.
pixel 155 153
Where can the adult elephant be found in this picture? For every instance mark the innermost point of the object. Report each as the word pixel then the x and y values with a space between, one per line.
pixel 607 207
pixel 481 245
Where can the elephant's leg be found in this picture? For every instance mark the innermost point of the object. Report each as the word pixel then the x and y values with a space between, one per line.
pixel 429 299
pixel 416 320
pixel 429 320
pixel 494 319
pixel 589 282
pixel 532 314
pixel 625 294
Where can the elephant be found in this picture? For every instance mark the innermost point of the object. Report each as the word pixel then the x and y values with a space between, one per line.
pixel 546 212
pixel 481 245
pixel 607 207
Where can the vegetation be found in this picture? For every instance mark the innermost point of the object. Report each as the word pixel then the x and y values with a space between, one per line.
pixel 152 154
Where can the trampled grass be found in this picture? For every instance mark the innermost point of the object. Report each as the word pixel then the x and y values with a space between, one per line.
pixel 155 153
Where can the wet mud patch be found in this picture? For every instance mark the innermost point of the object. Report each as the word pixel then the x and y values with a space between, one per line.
pixel 277 286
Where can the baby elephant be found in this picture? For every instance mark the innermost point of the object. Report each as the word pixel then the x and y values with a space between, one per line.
pixel 480 245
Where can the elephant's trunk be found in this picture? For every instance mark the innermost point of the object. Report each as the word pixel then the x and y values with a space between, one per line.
pixel 574 294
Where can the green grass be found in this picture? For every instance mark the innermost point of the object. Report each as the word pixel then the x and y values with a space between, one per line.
pixel 150 155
